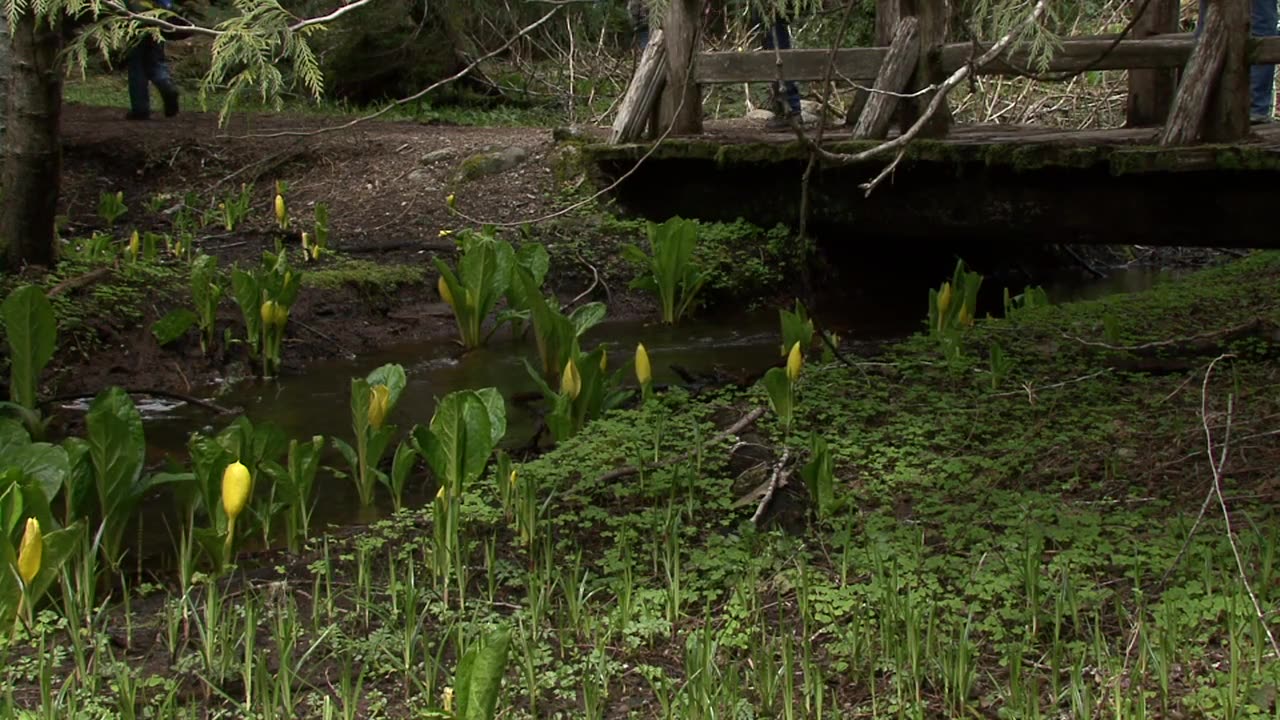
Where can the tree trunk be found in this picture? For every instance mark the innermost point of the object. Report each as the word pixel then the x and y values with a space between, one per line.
pixel 4 76
pixel 681 105
pixel 33 154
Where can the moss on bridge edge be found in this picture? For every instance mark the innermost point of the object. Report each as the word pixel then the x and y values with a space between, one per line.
pixel 1020 157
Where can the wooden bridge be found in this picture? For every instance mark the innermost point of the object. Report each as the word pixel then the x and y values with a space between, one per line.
pixel 1187 168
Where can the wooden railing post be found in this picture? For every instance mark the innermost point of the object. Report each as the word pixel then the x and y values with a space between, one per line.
pixel 932 30
pixel 681 106
pixel 1151 91
pixel 1228 116
pixel 888 12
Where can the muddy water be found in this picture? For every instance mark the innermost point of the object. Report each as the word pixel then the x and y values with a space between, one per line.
pixel 737 345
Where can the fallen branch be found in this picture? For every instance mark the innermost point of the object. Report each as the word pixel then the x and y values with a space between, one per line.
pixel 79 281
pixel 153 392
pixel 733 429
pixel 777 481
pixel 1196 344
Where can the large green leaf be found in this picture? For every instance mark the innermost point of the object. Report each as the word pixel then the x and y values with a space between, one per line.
pixel 480 677
pixel 248 295
pixel 31 331
pixel 496 405
pixel 43 464
pixel 778 385
pixel 173 325
pixel 459 440
pixel 392 375
pixel 117 449
pixel 59 546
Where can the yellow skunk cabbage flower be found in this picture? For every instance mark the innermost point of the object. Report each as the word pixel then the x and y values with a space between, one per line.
pixel 965 317
pixel 235 489
pixel 570 381
pixel 274 314
pixel 30 551
pixel 604 361
pixel 944 299
pixel 379 396
pixel 281 217
pixel 135 243
pixel 644 372
pixel 448 699
pixel 794 361
pixel 513 477
pixel 445 295
pixel 451 201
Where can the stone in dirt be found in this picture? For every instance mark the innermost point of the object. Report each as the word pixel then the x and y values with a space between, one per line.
pixel 490 162
pixel 435 156
pixel 569 133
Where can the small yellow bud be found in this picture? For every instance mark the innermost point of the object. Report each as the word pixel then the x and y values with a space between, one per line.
pixel 794 361
pixel 306 241
pixel 281 217
pixel 119 196
pixel 450 201
pixel 236 485
pixel 570 381
pixel 644 373
pixel 944 298
pixel 30 551
pixel 379 396
pixel 440 493
pixel 604 361
pixel 446 233
pixel 965 317
pixel 448 699
pixel 274 314
pixel 445 295
pixel 134 244
pixel 513 477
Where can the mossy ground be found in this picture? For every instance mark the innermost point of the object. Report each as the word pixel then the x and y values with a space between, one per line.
pixel 1007 546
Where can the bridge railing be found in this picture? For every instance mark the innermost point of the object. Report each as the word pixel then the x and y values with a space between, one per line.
pixel 1197 89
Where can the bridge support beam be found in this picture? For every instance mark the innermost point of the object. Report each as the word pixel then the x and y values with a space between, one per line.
pixel 932 30
pixel 681 106
pixel 1228 117
pixel 1151 91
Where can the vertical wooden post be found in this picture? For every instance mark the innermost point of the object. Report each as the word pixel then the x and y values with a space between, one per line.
pixel 681 106
pixel 932 15
pixel 1151 91
pixel 1228 116
pixel 888 12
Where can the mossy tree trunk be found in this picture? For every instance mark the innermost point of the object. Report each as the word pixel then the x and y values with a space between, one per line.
pixel 33 154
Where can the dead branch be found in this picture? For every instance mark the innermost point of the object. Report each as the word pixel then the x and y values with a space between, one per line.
pixel 79 281
pixel 733 429
pixel 1194 345
pixel 777 481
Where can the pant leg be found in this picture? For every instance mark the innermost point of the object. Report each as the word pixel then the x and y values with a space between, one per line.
pixel 1263 19
pixel 639 22
pixel 778 35
pixel 158 66
pixel 139 97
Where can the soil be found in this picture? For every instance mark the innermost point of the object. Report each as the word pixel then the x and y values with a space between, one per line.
pixel 387 205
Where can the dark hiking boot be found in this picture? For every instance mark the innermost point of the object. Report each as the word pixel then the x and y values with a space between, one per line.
pixel 170 96
pixel 133 115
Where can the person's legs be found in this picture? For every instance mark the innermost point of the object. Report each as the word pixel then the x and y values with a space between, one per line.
pixel 639 22
pixel 1262 77
pixel 158 73
pixel 139 99
pixel 778 35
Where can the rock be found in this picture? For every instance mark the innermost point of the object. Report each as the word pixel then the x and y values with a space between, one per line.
pixel 759 114
pixel 435 156
pixel 419 176
pixel 490 162
pixel 571 133
pixel 812 107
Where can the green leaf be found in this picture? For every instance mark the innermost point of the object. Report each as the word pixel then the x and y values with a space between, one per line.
pixel 248 294
pixel 480 677
pixel 496 406
pixel 778 385
pixel 393 376
pixel 117 449
pixel 459 441
pixel 31 331
pixel 59 546
pixel 173 325
pixel 44 464
pixel 587 317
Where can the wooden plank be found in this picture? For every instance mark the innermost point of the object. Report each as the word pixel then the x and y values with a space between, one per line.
pixel 899 64
pixel 862 64
pixel 932 30
pixel 1228 116
pixel 1151 90
pixel 1188 113
pixel 888 13
pixel 681 107
pixel 642 94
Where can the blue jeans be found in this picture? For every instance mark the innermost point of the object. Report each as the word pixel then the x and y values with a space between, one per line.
pixel 1263 21
pixel 779 36
pixel 147 64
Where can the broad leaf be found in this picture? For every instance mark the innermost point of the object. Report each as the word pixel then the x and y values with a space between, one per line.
pixel 117 449
pixel 496 405
pixel 459 440
pixel 480 677
pixel 173 325
pixel 31 331
pixel 43 464
pixel 393 376
pixel 778 386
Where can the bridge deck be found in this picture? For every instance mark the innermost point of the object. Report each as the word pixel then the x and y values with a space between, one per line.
pixel 1007 183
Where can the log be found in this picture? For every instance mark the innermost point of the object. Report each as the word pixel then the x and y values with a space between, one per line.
pixel 1151 90
pixel 899 64
pixel 1228 116
pixel 863 64
pixel 932 30
pixel 681 105
pixel 888 13
pixel 1187 116
pixel 641 99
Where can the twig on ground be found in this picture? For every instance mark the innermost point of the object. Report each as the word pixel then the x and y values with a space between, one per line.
pixel 777 481
pixel 1245 328
pixel 733 429
pixel 595 280
pixel 79 281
